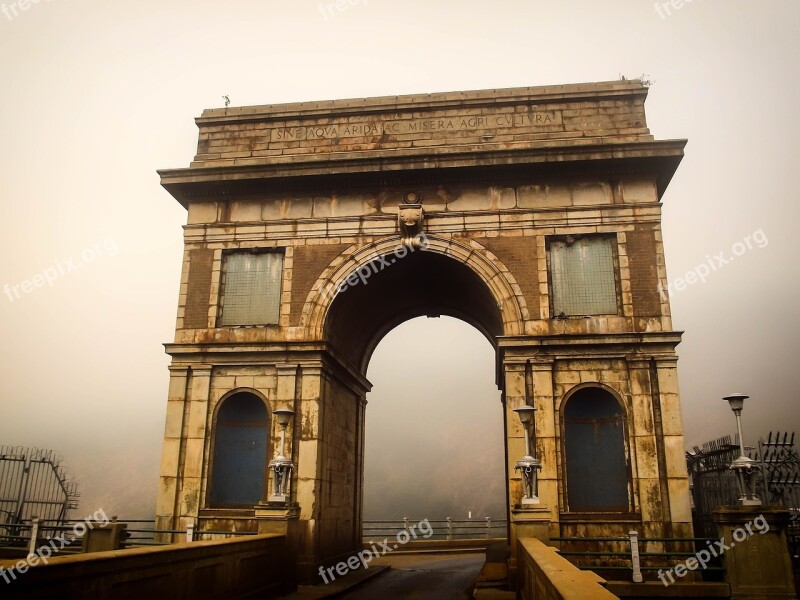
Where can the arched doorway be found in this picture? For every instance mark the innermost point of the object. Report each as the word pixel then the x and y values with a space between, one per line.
pixel 239 459
pixel 595 452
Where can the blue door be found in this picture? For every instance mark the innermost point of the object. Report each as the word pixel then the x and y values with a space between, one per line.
pixel 597 472
pixel 239 462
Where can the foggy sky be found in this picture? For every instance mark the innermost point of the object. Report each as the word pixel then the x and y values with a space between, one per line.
pixel 97 95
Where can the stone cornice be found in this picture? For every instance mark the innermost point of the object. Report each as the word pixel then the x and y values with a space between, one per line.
pixel 308 354
pixel 378 167
pixel 623 345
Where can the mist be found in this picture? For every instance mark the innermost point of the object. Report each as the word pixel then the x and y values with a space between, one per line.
pixel 96 96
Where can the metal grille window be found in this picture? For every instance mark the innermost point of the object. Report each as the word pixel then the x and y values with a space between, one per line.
pixel 583 276
pixel 251 288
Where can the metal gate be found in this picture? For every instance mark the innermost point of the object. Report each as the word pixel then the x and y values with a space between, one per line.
pixel 33 483
pixel 777 483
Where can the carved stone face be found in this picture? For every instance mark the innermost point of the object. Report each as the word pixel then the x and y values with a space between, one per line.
pixel 410 216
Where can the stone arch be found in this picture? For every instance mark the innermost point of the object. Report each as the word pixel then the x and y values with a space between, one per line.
pixel 492 273
pixel 594 384
pixel 239 390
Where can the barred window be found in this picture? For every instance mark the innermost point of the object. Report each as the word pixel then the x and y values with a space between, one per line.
pixel 583 277
pixel 251 288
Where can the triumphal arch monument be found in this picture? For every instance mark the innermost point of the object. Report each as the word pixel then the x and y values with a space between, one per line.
pixel 533 214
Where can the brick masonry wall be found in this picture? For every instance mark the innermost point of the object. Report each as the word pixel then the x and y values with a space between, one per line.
pixel 519 255
pixel 198 293
pixel 642 257
pixel 309 262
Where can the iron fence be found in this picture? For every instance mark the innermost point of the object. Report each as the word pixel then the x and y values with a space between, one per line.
pixel 713 483
pixel 33 484
pixel 442 529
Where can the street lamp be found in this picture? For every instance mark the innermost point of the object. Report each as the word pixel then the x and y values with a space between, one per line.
pixel 528 466
pixel 743 467
pixel 281 466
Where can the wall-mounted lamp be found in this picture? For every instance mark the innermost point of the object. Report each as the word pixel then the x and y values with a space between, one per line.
pixel 281 466
pixel 528 466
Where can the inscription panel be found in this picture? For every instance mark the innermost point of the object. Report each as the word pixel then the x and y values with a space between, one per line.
pixel 376 128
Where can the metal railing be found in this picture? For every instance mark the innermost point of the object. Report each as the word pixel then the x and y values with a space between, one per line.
pixel 443 529
pixel 144 533
pixel 35 533
pixel 632 556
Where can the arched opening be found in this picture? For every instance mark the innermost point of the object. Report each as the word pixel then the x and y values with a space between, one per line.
pixel 421 283
pixel 434 426
pixel 239 457
pixel 594 448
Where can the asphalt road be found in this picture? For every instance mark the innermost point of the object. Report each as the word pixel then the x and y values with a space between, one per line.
pixel 422 577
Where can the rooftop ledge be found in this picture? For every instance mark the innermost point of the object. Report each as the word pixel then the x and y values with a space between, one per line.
pixel 439 100
pixel 585 129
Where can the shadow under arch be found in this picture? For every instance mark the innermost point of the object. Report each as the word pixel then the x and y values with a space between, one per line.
pixel 447 278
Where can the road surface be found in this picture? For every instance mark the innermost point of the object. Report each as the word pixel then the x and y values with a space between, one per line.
pixel 422 577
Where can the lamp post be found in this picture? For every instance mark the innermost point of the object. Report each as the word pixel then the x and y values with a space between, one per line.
pixel 743 467
pixel 528 466
pixel 281 466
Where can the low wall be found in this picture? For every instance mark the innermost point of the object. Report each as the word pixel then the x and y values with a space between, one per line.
pixel 259 566
pixel 545 575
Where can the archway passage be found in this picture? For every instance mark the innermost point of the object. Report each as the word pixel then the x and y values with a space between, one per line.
pixel 422 283
pixel 240 452
pixel 434 426
pixel 400 287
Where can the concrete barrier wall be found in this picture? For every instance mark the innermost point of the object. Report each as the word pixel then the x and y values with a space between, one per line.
pixel 259 566
pixel 545 575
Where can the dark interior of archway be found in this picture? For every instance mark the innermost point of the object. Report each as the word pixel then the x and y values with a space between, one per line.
pixel 421 283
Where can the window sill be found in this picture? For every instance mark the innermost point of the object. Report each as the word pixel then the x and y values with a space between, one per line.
pixel 601 517
pixel 232 513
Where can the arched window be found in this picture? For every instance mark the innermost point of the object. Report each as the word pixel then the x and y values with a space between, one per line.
pixel 239 459
pixel 594 444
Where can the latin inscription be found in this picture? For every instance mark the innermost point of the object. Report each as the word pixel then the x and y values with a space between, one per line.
pixel 412 126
